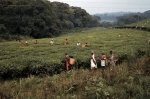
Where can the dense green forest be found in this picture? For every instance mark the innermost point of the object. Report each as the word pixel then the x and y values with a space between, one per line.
pixel 41 18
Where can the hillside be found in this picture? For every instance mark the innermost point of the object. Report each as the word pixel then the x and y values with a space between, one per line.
pixel 37 71
pixel 142 23
pixel 111 17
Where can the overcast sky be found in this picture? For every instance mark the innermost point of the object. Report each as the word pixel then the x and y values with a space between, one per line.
pixel 102 6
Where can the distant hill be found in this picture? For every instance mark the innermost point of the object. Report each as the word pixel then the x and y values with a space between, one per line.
pixel 111 17
pixel 142 23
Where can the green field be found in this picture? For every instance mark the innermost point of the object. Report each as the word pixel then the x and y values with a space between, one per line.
pixel 30 67
pixel 98 39
pixel 14 58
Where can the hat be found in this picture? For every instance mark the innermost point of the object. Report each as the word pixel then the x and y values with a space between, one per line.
pixel 92 51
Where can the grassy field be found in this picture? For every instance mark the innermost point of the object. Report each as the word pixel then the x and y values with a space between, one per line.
pixel 126 81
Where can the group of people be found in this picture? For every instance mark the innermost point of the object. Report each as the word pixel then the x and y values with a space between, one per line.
pixel 83 45
pixel 126 35
pixel 102 59
pixel 93 60
pixel 26 42
pixel 52 42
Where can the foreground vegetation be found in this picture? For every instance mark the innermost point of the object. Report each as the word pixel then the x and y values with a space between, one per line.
pixel 26 71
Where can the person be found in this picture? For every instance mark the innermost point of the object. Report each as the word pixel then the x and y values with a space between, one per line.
pixel 78 43
pixel 19 42
pixel 36 42
pixel 85 45
pixel 93 60
pixel 51 42
pixel 103 59
pixel 103 62
pixel 128 35
pixel 65 41
pixel 111 58
pixel 67 58
pixel 26 43
pixel 149 41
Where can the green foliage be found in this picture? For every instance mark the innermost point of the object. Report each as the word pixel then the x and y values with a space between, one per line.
pixel 132 18
pixel 44 59
pixel 40 19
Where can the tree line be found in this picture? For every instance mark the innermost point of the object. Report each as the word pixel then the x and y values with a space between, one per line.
pixel 41 18
pixel 132 18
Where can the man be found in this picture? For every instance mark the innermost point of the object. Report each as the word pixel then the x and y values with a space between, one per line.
pixel 67 58
pixel 93 60
pixel 111 58
pixel 103 58
pixel 35 42
pixel 65 42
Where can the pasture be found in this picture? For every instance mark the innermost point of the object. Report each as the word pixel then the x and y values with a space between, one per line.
pixel 120 82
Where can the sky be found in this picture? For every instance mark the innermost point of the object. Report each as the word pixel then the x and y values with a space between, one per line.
pixel 103 6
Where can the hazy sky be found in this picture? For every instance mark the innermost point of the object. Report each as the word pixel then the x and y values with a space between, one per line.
pixel 102 6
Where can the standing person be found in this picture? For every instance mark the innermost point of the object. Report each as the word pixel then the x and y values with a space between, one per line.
pixel 67 58
pixel 78 43
pixel 51 42
pixel 65 41
pixel 19 42
pixel 103 60
pixel 111 58
pixel 26 43
pixel 85 45
pixel 128 35
pixel 93 60
pixel 36 42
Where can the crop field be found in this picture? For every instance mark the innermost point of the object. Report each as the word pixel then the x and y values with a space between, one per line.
pixel 15 59
pixel 25 71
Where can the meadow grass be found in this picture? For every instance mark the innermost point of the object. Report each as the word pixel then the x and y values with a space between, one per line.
pixel 121 82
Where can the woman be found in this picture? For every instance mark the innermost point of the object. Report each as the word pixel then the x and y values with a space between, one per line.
pixel 93 61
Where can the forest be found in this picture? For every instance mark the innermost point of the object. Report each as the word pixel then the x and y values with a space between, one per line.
pixel 41 18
